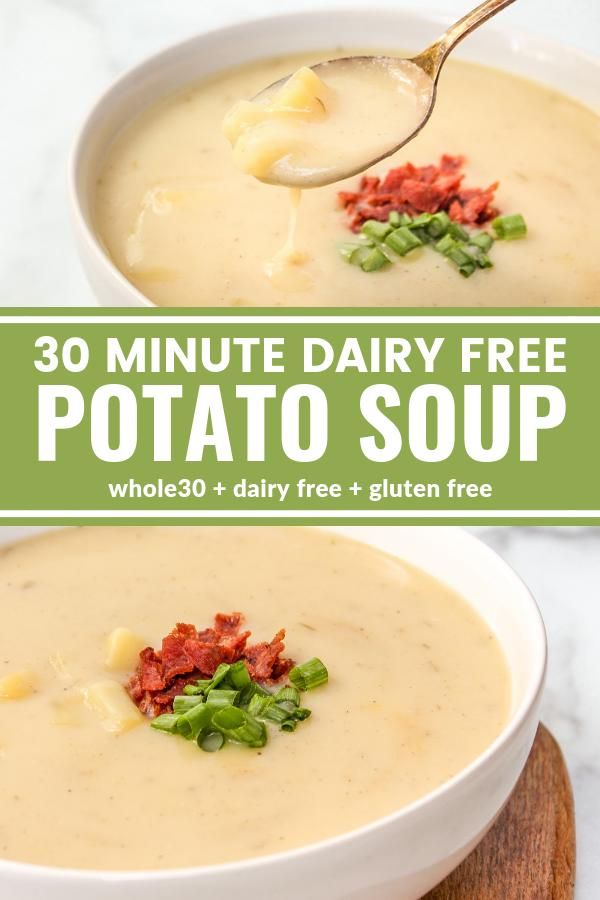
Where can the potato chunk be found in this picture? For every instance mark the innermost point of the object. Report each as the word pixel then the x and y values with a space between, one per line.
pixel 123 649
pixel 266 130
pixel 17 685
pixel 111 702
pixel 303 92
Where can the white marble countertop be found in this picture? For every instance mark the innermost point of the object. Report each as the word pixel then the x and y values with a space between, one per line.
pixel 56 56
pixel 561 566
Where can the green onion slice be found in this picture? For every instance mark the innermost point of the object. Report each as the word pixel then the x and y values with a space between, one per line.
pixel 421 220
pixel 237 725
pixel 507 228
pixel 377 231
pixel 374 260
pixel 258 706
pixel 459 256
pixel 289 725
pixel 347 249
pixel 402 240
pixel 166 722
pixel 238 675
pixel 456 231
pixel 288 694
pixel 438 224
pixel 221 672
pixel 183 704
pixel 193 722
pixel 211 741
pixel 218 697
pixel 360 254
pixel 192 689
pixel 275 713
pixel 446 244
pixel 483 240
pixel 467 269
pixel 309 675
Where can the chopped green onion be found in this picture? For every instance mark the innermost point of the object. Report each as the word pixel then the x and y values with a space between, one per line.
pixel 423 234
pixel 445 244
pixel 402 240
pixel 347 250
pixel 221 672
pixel 216 710
pixel 438 224
pixel 237 725
pixel 258 706
pixel 289 725
pixel 421 220
pixel 459 256
pixel 375 260
pixel 508 228
pixel 309 675
pixel 239 676
pixel 483 240
pixel 183 704
pixel 249 692
pixel 456 231
pixel 166 722
pixel 482 259
pixel 192 723
pixel 211 741
pixel 192 689
pixel 467 269
pixel 378 231
pixel 360 253
pixel 468 250
pixel 218 697
pixel 274 713
pixel 288 694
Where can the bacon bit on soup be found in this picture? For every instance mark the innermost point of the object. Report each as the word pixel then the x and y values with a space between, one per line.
pixel 187 655
pixel 412 190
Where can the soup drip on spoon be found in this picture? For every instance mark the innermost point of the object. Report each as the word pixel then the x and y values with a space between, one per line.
pixel 333 120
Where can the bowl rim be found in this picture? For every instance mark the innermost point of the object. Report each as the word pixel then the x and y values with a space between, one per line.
pixel 517 720
pixel 84 228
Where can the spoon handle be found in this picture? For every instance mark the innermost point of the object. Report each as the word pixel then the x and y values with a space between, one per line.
pixel 432 59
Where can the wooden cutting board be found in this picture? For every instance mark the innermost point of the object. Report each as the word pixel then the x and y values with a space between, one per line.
pixel 530 852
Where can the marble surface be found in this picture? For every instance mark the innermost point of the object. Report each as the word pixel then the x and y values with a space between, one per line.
pixel 55 57
pixel 561 566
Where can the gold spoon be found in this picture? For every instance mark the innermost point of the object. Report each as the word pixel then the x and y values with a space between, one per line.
pixel 429 62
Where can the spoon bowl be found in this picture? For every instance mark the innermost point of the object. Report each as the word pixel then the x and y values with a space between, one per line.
pixel 418 77
pixel 406 72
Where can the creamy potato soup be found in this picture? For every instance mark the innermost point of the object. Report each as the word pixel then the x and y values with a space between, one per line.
pixel 418 687
pixel 189 228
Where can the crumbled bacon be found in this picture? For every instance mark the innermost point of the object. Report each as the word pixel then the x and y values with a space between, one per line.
pixel 187 655
pixel 420 189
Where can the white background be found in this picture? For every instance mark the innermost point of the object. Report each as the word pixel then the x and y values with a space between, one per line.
pixel 55 57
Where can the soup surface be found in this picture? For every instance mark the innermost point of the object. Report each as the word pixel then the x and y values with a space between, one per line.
pixel 188 228
pixel 418 688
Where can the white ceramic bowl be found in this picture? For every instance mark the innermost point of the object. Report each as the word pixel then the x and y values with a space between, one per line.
pixel 405 854
pixel 562 67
